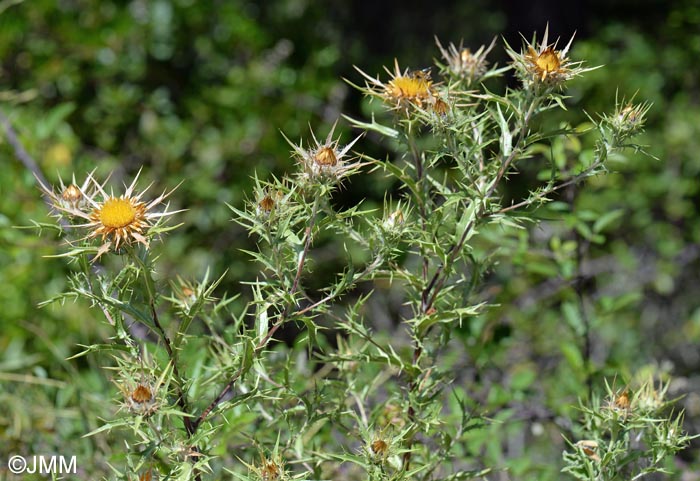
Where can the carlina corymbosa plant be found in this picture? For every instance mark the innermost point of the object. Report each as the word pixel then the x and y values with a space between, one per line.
pixel 204 391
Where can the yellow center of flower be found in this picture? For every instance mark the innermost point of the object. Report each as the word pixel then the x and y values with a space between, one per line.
pixel 116 213
pixel 409 88
pixel 548 61
pixel 326 157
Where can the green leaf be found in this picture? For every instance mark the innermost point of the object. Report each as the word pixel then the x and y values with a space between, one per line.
pixel 374 127
pixel 572 354
pixel 506 136
pixel 607 219
pixel 47 126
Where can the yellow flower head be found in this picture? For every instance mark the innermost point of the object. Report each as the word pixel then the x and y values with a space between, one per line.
pixel 116 220
pixel 119 219
pixel 405 88
pixel 409 88
pixel 123 220
pixel 543 65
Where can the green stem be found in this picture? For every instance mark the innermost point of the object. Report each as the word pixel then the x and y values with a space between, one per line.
pixel 150 286
pixel 278 323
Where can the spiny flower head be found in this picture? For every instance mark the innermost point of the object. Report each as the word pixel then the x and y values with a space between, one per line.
pixel 266 204
pixel 269 469
pixel 625 122
pixel 542 65
pixel 405 89
pixel 324 160
pixel 650 399
pixel 464 64
pixel 116 220
pixel 381 445
pixel 70 200
pixel 140 398
pixel 629 118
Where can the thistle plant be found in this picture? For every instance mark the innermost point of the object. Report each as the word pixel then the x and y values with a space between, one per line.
pixel 204 389
pixel 628 435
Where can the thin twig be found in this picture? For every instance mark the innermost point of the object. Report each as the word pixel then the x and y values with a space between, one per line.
pixel 181 398
pixel 574 180
pixel 582 246
pixel 20 151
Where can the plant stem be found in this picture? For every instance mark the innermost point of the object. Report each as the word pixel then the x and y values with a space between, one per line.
pixel 308 234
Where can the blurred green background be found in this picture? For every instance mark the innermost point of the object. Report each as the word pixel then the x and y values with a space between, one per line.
pixel 200 90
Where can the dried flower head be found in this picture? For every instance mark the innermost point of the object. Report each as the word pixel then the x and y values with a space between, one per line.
pixel 620 402
pixel 439 106
pixel 146 475
pixel 140 398
pixel 543 65
pixel 379 448
pixel 72 195
pixel 70 201
pixel 117 221
pixel 404 90
pixel 324 160
pixel 266 205
pixel 589 448
pixel 464 64
pixel 269 469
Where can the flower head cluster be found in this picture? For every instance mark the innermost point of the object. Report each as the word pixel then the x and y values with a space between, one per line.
pixel 406 89
pixel 116 220
pixel 464 64
pixel 321 161
pixel 542 65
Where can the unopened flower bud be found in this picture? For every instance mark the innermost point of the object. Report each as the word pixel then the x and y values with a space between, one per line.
pixel 394 220
pixel 72 195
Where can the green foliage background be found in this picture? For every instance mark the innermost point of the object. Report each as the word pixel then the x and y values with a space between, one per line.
pixel 198 91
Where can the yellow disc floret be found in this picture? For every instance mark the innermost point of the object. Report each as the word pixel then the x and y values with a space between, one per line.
pixel 117 213
pixel 409 88
pixel 548 60
pixel 121 220
pixel 545 63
